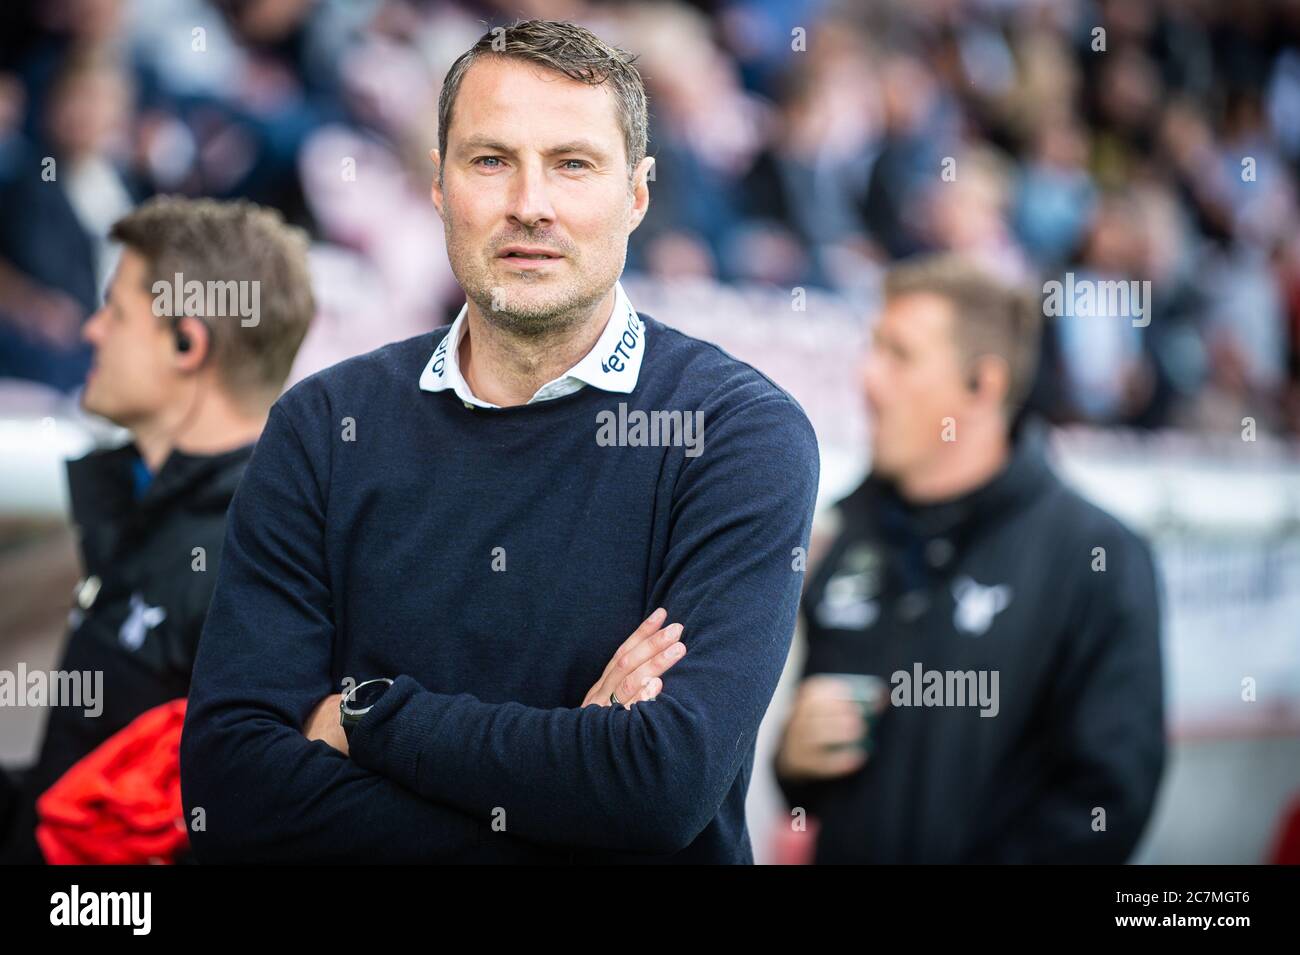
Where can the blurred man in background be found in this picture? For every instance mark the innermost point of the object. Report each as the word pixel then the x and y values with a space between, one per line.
pixel 193 386
pixel 55 258
pixel 1014 626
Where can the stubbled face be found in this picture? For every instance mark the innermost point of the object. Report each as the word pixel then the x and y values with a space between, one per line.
pixel 134 374
pixel 913 379
pixel 535 195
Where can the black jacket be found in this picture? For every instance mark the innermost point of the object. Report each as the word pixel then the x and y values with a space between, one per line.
pixel 1001 579
pixel 149 567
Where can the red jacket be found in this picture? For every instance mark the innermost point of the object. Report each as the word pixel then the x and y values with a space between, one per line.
pixel 120 804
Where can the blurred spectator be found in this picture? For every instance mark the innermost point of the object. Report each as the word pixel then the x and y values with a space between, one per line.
pixel 65 193
pixel 797 144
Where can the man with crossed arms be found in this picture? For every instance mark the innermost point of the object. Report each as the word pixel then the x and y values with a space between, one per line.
pixel 440 527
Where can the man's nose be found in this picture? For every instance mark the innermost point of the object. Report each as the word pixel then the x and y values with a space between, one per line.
pixel 530 201
pixel 876 380
pixel 90 328
pixel 869 372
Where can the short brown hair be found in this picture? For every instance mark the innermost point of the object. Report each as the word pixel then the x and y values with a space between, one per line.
pixel 565 48
pixel 990 316
pixel 221 242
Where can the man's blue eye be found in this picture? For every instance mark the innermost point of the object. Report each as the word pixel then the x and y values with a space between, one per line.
pixel 485 159
pixel 581 163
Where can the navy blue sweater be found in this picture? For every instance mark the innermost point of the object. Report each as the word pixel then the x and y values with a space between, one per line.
pixel 492 561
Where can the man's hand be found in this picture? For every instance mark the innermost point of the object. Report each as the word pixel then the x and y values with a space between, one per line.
pixel 633 673
pixel 634 670
pixel 824 724
pixel 324 723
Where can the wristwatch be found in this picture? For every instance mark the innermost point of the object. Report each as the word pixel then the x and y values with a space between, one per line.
pixel 358 701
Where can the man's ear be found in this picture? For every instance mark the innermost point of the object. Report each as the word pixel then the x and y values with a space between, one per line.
pixel 640 192
pixel 435 192
pixel 990 380
pixel 193 343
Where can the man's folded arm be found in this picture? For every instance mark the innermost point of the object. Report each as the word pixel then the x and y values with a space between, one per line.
pixel 267 793
pixel 650 778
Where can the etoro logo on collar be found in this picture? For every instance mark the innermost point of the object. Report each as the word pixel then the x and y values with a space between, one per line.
pixel 627 343
pixel 439 360
pixel 613 364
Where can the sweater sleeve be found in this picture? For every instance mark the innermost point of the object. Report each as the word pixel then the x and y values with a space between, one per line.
pixel 253 787
pixel 650 778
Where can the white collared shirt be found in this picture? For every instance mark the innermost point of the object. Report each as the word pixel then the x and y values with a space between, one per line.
pixel 613 364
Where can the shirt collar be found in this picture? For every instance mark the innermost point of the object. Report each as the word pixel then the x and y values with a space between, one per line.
pixel 613 364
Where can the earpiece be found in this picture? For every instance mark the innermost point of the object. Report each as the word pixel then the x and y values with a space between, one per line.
pixel 183 341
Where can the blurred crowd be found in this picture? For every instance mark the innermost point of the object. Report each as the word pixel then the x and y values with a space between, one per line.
pixel 799 143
